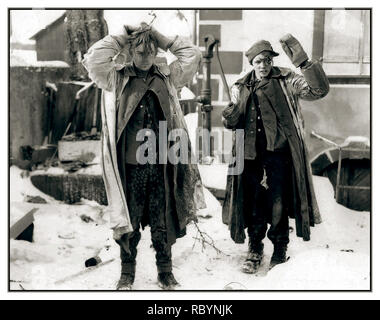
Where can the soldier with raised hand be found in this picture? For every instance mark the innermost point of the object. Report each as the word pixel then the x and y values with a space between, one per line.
pixel 276 182
pixel 138 93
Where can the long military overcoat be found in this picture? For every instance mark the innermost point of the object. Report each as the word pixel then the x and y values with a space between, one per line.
pixel 184 193
pixel 311 85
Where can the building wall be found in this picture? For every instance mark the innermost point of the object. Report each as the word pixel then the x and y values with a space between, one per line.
pixel 342 113
pixel 51 45
pixel 346 42
pixel 28 103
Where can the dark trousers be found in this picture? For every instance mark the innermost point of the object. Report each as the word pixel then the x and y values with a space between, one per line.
pixel 145 191
pixel 262 206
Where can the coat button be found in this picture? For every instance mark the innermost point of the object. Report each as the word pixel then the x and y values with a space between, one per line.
pixel 251 132
pixel 259 130
pixel 258 117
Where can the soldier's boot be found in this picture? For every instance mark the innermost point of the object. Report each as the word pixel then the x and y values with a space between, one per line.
pixel 126 281
pixel 166 281
pixel 254 258
pixel 279 255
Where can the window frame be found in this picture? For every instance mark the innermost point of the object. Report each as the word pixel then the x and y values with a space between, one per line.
pixel 318 48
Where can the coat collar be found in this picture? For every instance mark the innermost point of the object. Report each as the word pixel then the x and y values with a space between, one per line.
pixel 159 68
pixel 249 78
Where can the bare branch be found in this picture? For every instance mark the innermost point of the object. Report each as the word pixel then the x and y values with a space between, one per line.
pixel 205 239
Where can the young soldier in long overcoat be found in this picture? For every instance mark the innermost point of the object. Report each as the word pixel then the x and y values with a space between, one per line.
pixel 141 94
pixel 276 182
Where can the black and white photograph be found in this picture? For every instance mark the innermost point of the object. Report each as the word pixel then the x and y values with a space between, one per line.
pixel 189 149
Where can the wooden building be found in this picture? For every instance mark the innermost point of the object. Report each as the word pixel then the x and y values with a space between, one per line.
pixel 50 41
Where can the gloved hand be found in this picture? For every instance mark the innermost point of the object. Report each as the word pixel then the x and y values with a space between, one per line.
pixel 162 41
pixel 231 113
pixel 293 49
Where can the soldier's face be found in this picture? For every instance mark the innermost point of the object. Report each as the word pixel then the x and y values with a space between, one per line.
pixel 143 58
pixel 262 64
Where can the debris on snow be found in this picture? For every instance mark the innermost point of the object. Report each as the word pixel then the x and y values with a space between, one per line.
pixel 34 199
pixel 86 218
pixel 68 236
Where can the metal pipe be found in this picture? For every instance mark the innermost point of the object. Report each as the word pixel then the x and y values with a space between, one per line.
pixel 225 85
pixel 205 97
pixel 337 185
pixel 338 175
pixel 324 139
pixel 195 36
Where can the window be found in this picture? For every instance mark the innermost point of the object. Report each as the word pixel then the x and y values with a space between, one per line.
pixel 344 42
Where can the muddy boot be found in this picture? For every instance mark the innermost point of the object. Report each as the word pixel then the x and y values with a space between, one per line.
pixel 126 281
pixel 166 281
pixel 279 255
pixel 254 258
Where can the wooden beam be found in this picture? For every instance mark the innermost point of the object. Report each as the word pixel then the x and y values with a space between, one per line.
pixel 20 223
pixel 318 34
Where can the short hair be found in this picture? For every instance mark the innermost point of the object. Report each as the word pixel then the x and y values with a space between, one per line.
pixel 145 37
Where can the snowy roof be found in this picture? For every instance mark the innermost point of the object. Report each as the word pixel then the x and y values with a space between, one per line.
pixel 20 62
pixel 48 27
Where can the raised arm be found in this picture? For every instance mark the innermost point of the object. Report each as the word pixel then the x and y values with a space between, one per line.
pixel 100 60
pixel 188 60
pixel 313 83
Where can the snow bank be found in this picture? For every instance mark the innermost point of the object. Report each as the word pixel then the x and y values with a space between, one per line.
pixel 20 186
pixel 336 258
pixel 19 62
pixel 191 120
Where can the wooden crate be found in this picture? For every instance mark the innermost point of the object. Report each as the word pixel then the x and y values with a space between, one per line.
pixel 85 150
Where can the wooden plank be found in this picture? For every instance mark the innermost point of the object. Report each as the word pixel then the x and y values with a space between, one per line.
pixel 82 272
pixel 20 223
pixel 355 187
pixel 213 14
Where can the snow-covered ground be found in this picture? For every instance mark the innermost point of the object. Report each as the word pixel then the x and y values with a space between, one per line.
pixel 336 258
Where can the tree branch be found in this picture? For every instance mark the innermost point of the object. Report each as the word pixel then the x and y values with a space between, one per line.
pixel 205 239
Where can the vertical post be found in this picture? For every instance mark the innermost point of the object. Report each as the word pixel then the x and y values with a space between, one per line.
pixel 337 186
pixel 206 106
pixel 318 34
pixel 205 98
